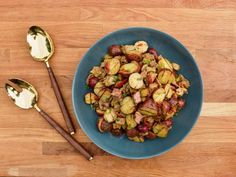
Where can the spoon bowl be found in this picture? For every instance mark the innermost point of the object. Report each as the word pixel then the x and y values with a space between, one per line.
pixel 25 96
pixel 41 49
pixel 40 44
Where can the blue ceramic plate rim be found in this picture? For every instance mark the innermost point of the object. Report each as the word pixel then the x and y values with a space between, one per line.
pixel 83 60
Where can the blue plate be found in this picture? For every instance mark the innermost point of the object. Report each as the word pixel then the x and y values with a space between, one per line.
pixel 168 47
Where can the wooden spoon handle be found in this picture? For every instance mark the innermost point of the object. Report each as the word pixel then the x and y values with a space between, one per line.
pixel 66 135
pixel 60 100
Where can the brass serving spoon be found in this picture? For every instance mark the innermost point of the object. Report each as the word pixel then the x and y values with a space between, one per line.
pixel 41 49
pixel 25 96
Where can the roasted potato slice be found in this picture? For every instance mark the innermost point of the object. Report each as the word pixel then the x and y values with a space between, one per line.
pixel 159 95
pixel 127 105
pixel 176 66
pixel 164 64
pixel 166 76
pixel 110 115
pixel 144 92
pixel 134 56
pixel 129 68
pixel 138 139
pixel 130 121
pixel 112 66
pixel 151 76
pixel 110 80
pixel 128 49
pixel 141 46
pixel 103 126
pixel 148 108
pixel 99 89
pixel 105 96
pixel 136 81
pixel 161 130
pixel 90 98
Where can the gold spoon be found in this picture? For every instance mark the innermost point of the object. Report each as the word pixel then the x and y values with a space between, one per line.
pixel 41 49
pixel 25 96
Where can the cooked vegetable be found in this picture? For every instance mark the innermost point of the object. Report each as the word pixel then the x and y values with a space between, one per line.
pixel 161 130
pixel 110 115
pixel 127 105
pixel 159 95
pixel 154 52
pixel 115 50
pixel 110 80
pixel 144 92
pixel 129 68
pixel 148 108
pixel 166 76
pixel 130 121
pixel 105 96
pixel 134 56
pixel 112 66
pixel 99 89
pixel 92 81
pixel 90 98
pixel 103 126
pixel 176 66
pixel 136 81
pixel 151 135
pixel 116 132
pixel 136 91
pixel 138 139
pixel 141 46
pixel 164 64
pixel 151 76
pixel 142 128
pixel 98 72
pixel 132 132
pixel 120 121
pixel 120 84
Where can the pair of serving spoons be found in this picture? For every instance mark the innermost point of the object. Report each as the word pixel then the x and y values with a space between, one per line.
pixel 25 95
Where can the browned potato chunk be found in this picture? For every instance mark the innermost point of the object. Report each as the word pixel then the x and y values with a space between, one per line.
pixel 106 96
pixel 115 50
pixel 141 46
pixel 164 64
pixel 129 68
pixel 136 81
pixel 110 115
pixel 161 130
pixel 134 56
pixel 166 76
pixel 159 95
pixel 148 108
pixel 151 76
pixel 99 89
pixel 176 66
pixel 90 98
pixel 127 105
pixel 112 66
pixel 103 126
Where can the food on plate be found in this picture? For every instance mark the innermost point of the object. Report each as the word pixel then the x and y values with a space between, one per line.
pixel 136 92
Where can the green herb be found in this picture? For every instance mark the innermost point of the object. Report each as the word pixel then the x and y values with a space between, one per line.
pixel 124 94
pixel 86 86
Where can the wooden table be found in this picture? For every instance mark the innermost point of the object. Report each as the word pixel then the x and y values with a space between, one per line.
pixel 30 147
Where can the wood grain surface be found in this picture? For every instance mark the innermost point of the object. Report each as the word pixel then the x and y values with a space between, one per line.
pixel 29 147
